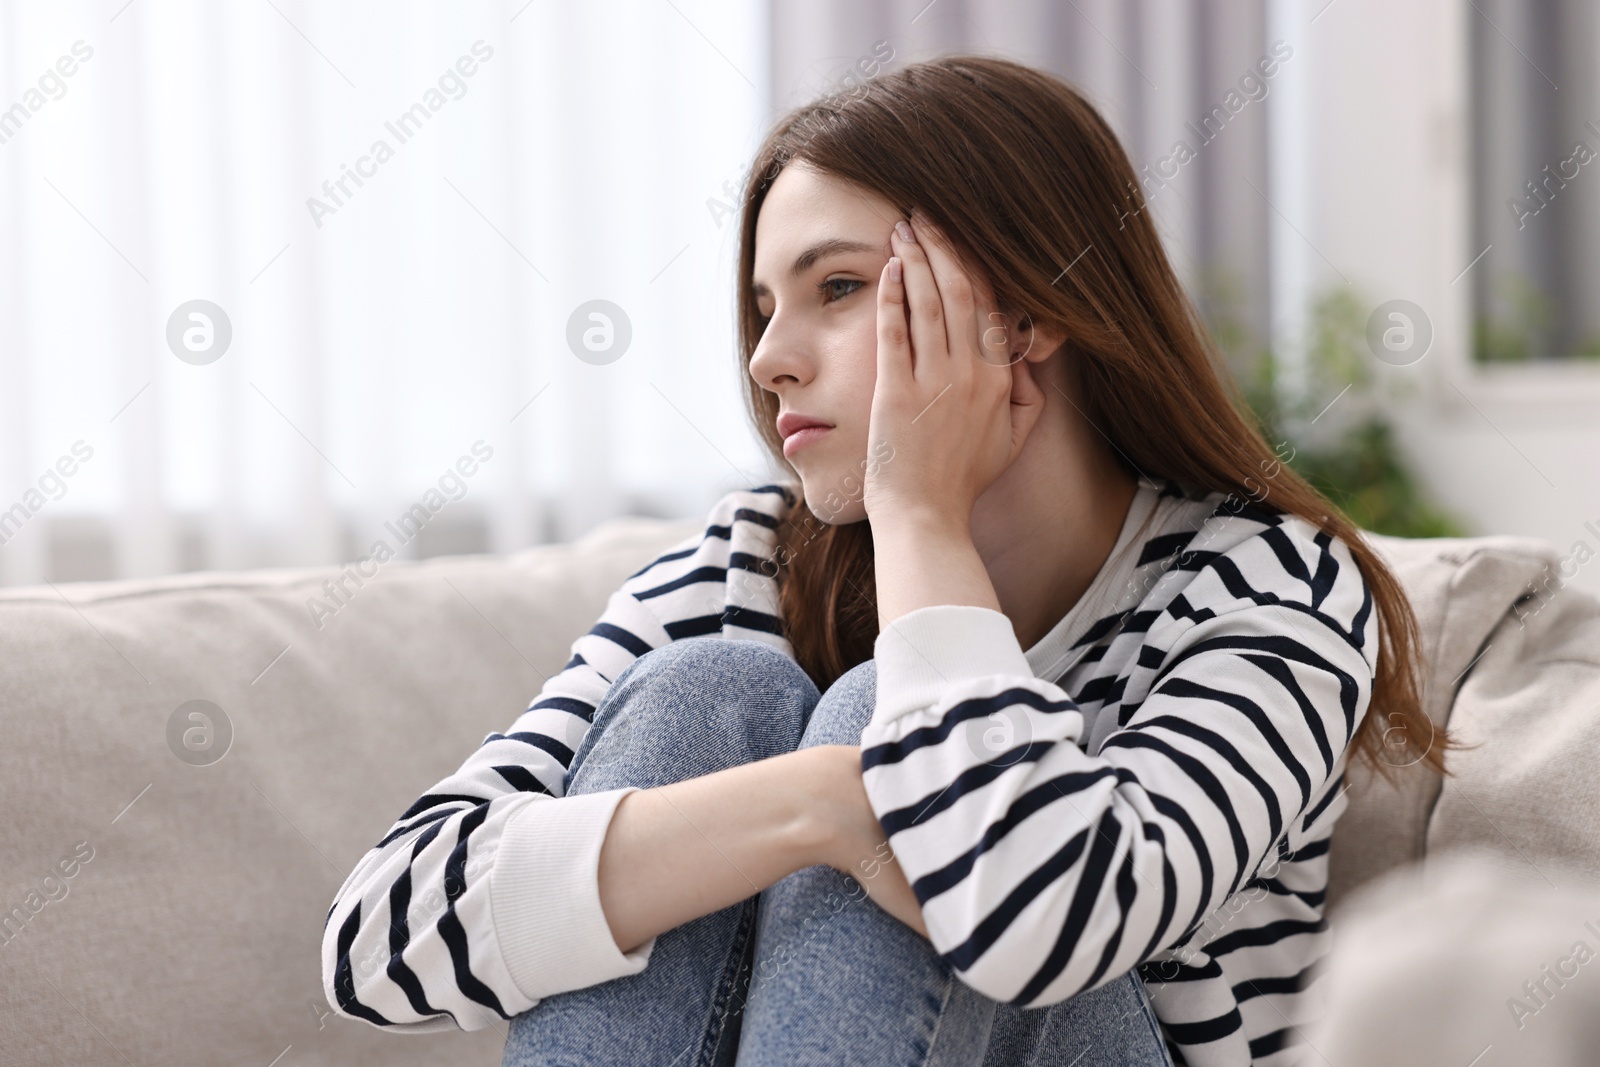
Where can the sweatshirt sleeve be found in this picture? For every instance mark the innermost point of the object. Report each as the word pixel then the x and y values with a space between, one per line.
pixel 483 898
pixel 1042 870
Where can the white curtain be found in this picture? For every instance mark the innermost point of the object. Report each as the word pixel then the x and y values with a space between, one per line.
pixel 398 209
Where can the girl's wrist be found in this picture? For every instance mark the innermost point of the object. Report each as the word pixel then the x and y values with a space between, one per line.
pixel 925 559
pixel 835 810
pixel 919 521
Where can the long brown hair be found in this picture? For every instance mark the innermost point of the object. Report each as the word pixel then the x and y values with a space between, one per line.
pixel 1033 189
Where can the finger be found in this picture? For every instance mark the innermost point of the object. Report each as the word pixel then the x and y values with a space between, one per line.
pixel 961 295
pixel 994 344
pixel 894 338
pixel 978 356
pixel 930 346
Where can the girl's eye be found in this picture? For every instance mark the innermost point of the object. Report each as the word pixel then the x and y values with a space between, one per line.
pixel 827 286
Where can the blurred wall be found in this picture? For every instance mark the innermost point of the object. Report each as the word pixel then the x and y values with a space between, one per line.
pixel 1513 449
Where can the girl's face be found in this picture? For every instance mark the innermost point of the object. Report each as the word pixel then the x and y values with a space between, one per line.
pixel 821 245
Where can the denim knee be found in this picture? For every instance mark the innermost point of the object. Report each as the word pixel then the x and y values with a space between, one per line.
pixel 693 707
pixel 845 709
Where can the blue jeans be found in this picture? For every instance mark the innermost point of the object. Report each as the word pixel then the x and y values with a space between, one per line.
pixel 810 970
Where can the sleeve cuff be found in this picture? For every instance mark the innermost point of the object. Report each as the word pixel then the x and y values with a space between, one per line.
pixel 925 652
pixel 545 896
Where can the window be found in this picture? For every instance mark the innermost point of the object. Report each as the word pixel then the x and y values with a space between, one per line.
pixel 1536 179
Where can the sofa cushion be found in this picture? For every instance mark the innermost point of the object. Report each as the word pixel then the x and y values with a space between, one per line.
pixel 188 929
pixel 1441 963
pixel 1527 792
pixel 1521 681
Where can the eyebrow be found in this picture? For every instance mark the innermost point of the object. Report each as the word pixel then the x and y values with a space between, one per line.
pixel 808 259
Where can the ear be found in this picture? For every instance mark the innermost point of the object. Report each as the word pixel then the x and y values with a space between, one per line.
pixel 1044 344
pixel 1036 343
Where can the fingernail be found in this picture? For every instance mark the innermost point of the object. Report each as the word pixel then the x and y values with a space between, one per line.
pixel 895 269
pixel 903 228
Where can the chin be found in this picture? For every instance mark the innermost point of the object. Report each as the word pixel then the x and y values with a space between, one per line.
pixel 835 501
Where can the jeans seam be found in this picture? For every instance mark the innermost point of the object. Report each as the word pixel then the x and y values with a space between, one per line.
pixel 1151 1020
pixel 979 1003
pixel 726 985
pixel 938 1023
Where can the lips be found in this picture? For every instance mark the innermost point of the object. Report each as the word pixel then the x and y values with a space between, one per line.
pixel 791 422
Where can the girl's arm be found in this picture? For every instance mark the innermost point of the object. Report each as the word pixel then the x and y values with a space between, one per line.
pixel 482 897
pixel 1042 870
pixel 680 851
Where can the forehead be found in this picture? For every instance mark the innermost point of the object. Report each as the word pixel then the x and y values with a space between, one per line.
pixel 807 209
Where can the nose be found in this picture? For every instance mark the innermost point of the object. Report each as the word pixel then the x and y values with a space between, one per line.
pixel 779 358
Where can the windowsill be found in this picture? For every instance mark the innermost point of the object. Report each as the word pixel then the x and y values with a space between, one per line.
pixel 1561 392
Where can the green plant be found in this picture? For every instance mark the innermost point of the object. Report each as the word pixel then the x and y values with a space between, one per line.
pixel 1342 439
pixel 1366 477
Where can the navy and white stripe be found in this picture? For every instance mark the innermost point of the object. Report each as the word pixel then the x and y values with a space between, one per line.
pixel 1164 802
pixel 1190 836
pixel 414 940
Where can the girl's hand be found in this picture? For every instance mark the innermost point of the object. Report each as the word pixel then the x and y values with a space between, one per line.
pixel 856 844
pixel 953 405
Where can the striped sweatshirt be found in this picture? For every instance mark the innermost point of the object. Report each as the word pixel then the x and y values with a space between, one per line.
pixel 1152 785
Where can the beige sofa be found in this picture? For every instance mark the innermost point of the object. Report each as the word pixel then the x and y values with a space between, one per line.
pixel 165 905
